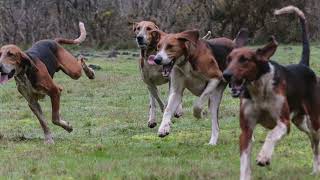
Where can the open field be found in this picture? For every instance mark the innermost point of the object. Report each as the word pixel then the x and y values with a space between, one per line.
pixel 111 139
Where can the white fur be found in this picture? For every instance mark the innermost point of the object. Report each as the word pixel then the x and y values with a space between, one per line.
pixel 143 33
pixel 214 103
pixel 83 33
pixel 316 164
pixel 183 76
pixel 165 59
pixel 290 9
pixel 245 165
pixel 263 98
pixel 272 138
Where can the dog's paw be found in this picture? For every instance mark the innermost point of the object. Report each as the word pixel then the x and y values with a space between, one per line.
pixel 152 124
pixel 164 130
pixel 316 169
pixel 48 139
pixel 263 160
pixel 69 129
pixel 197 112
pixel 213 141
pixel 315 173
pixel 178 114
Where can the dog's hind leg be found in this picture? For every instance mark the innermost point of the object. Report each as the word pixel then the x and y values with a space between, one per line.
pixel 71 66
pixel 36 109
pixel 54 94
pixel 314 138
pixel 214 104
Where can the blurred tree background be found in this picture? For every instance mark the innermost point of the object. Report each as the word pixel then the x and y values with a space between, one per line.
pixel 109 22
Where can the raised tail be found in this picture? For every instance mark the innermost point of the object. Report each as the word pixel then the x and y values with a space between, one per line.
pixel 305 39
pixel 79 40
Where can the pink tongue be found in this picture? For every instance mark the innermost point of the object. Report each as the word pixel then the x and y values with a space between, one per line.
pixel 3 79
pixel 151 60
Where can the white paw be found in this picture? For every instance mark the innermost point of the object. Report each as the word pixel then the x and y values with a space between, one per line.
pixel 263 160
pixel 213 141
pixel 316 168
pixel 164 130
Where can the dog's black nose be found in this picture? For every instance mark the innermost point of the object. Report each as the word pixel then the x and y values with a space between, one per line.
pixel 140 39
pixel 158 60
pixel 227 75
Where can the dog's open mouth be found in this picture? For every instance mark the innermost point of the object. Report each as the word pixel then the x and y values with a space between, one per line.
pixel 142 45
pixel 166 69
pixel 237 86
pixel 5 77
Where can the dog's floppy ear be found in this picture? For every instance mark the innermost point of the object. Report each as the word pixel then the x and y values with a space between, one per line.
pixel 155 22
pixel 190 39
pixel 241 38
pixel 191 36
pixel 25 59
pixel 268 50
pixel 156 35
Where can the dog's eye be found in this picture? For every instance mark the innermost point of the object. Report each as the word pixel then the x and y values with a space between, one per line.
pixel 169 46
pixel 148 28
pixel 243 60
pixel 138 28
pixel 10 54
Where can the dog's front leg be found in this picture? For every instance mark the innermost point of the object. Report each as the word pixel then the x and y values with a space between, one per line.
pixel 247 125
pixel 153 90
pixel 55 102
pixel 36 109
pixel 272 138
pixel 173 103
pixel 276 134
pixel 175 99
pixel 245 152
pixel 198 106
pixel 179 111
pixel 152 112
pixel 214 104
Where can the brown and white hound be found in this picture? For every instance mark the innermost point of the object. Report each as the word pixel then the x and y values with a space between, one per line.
pixel 273 95
pixel 194 64
pixel 33 72
pixel 152 74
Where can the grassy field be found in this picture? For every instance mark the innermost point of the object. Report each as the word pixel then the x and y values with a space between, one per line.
pixel 111 139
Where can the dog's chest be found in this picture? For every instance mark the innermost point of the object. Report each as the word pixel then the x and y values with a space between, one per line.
pixel 153 74
pixel 265 105
pixel 193 81
pixel 26 88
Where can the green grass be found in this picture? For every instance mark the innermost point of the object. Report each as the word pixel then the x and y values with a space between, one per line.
pixel 111 139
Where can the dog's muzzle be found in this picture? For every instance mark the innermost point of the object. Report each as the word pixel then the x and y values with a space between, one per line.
pixel 141 42
pixel 236 85
pixel 5 77
pixel 158 60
